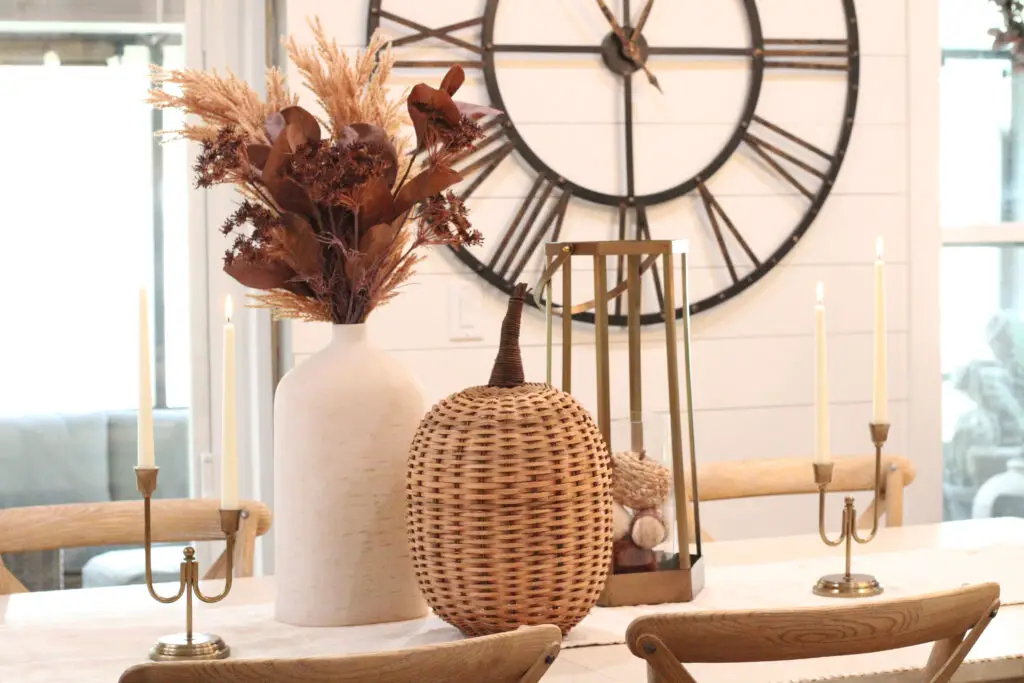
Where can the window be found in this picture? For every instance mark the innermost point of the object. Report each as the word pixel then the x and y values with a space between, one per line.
pixel 982 173
pixel 95 207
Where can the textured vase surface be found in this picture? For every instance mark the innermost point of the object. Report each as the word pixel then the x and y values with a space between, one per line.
pixel 343 422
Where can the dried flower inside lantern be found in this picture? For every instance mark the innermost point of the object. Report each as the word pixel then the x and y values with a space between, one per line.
pixel 324 225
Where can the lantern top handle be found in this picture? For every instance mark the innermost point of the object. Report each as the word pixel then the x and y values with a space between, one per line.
pixel 618 247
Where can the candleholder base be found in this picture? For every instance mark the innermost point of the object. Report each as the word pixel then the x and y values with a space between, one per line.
pixel 847 586
pixel 180 648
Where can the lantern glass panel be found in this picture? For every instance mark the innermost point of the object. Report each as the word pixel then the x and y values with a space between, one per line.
pixel 643 448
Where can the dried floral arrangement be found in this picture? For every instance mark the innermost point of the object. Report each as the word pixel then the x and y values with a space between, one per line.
pixel 1012 33
pixel 334 212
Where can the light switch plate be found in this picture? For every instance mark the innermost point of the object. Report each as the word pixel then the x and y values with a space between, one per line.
pixel 464 310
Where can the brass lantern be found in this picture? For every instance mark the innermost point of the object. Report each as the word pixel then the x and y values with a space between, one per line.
pixel 645 569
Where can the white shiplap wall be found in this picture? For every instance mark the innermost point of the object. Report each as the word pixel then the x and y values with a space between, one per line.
pixel 752 356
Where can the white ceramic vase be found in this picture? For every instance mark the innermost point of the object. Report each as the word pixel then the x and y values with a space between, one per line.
pixel 343 423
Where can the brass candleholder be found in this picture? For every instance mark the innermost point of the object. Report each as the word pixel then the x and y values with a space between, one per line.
pixel 187 645
pixel 848 584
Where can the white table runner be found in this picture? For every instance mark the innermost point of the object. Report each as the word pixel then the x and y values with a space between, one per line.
pixel 252 631
pixel 744 587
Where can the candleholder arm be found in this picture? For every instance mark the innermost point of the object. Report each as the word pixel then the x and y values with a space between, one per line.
pixel 879 435
pixel 147 484
pixel 229 522
pixel 823 476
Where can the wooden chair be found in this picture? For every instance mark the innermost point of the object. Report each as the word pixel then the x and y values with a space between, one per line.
pixel 789 476
pixel 51 527
pixel 667 641
pixel 520 656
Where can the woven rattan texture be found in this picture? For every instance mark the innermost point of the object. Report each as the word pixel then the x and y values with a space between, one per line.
pixel 639 482
pixel 510 509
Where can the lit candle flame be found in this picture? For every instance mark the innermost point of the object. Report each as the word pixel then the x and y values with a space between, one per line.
pixel 227 308
pixel 878 248
pixel 820 292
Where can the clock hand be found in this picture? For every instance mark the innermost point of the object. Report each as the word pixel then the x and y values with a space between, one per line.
pixel 641 21
pixel 651 78
pixel 634 50
pixel 614 23
pixel 629 46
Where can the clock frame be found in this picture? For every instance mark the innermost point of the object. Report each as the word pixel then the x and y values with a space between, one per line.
pixel 523 239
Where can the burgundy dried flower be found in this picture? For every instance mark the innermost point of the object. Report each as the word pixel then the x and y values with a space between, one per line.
pixel 443 221
pixel 434 113
pixel 220 161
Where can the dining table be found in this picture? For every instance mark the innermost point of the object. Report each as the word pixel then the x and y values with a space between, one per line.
pixel 92 635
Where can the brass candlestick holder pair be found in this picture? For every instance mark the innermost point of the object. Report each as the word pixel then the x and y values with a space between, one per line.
pixel 187 645
pixel 847 584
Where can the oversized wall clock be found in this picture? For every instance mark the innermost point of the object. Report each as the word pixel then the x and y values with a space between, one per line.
pixel 723 122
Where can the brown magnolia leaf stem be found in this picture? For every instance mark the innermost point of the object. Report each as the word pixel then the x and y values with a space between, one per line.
pixel 356 236
pixel 405 176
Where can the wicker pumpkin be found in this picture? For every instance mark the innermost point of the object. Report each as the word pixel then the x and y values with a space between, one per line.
pixel 509 511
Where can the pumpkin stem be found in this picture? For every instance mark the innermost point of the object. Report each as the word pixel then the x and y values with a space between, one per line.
pixel 508 365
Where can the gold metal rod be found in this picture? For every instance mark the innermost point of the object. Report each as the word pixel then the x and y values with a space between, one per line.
pixel 636 435
pixel 849 524
pixel 549 322
pixel 672 361
pixel 601 329
pixel 186 567
pixel 684 300
pixel 567 322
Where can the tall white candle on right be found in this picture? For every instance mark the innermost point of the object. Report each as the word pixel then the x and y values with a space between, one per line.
pixel 146 456
pixel 822 452
pixel 880 395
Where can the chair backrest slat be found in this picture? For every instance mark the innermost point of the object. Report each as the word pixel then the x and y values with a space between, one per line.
pixel 82 525
pixel 520 656
pixel 828 631
pixel 754 478
pixel 732 479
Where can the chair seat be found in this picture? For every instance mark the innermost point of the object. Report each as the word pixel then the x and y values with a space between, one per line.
pixel 128 566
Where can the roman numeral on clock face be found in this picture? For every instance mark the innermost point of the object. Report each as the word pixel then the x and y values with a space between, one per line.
pixel 536 221
pixel 641 231
pixel 814 55
pixel 778 159
pixel 715 212
pixel 441 33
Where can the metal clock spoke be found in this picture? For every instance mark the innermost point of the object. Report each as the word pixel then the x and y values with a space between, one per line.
pixel 547 49
pixel 627 100
pixel 701 51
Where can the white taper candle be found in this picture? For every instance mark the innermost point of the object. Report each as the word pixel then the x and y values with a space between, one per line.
pixel 822 452
pixel 229 432
pixel 880 395
pixel 146 456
